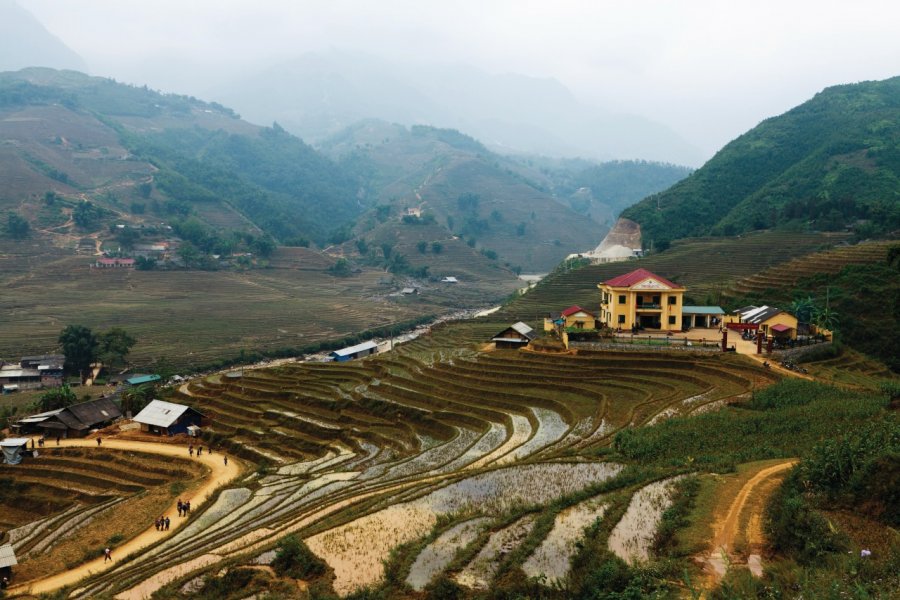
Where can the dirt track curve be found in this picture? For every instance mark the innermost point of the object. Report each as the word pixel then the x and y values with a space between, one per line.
pixel 220 474
pixel 726 529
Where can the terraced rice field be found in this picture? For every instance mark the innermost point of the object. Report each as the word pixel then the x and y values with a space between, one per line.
pixel 367 456
pixel 69 500
pixel 786 275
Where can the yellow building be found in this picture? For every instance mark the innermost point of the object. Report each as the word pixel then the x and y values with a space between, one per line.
pixel 770 320
pixel 573 317
pixel 641 299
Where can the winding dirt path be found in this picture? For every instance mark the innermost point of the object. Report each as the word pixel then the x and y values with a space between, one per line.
pixel 220 474
pixel 727 528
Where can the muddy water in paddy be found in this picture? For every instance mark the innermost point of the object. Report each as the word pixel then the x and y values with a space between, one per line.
pixel 632 536
pixel 435 557
pixel 356 550
pixel 552 557
pixel 479 573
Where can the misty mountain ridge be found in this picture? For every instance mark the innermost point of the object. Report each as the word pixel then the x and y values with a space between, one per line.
pixel 25 42
pixel 318 94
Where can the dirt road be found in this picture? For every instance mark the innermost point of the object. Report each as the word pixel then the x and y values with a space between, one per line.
pixel 220 474
pixel 726 527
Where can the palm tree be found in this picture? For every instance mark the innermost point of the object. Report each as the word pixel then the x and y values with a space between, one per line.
pixel 826 318
pixel 803 309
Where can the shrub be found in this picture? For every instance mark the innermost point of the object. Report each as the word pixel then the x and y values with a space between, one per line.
pixel 294 559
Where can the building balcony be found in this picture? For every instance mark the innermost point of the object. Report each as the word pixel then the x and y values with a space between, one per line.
pixel 649 307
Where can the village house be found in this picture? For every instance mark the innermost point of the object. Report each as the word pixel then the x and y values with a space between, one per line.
pixel 641 299
pixel 167 418
pixel 32 372
pixel 573 317
pixel 76 420
pixel 770 320
pixel 517 335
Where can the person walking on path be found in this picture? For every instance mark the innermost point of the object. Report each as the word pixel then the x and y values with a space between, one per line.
pixel 167 523
pixel 107 555
pixel 99 441
pixel 199 450
pixel 179 506
pixel 191 450
pixel 187 508
pixel 156 523
pixel 226 461
pixel 57 440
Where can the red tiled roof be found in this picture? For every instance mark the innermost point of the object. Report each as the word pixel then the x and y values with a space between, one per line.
pixel 629 279
pixel 780 328
pixel 574 309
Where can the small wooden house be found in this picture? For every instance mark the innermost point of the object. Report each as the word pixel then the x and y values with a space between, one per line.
pixel 517 335
pixel 167 418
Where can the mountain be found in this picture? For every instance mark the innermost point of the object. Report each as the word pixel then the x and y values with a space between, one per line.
pixel 139 156
pixel 425 176
pixel 319 94
pixel 831 163
pixel 25 42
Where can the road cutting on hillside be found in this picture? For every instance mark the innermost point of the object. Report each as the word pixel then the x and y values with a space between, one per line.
pixel 220 475
pixel 726 527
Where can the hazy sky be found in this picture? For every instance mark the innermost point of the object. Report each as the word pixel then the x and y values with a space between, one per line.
pixel 709 69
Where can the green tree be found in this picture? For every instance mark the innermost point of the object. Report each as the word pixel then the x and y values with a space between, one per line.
pixel 341 268
pixel 115 344
pixel 127 236
pixel 264 246
pixel 422 246
pixel 294 559
pixel 60 397
pixel 17 227
pixel 803 309
pixel 826 318
pixel 437 247
pixel 80 346
pixel 386 249
pixel 362 245
pixel 189 254
pixel 50 198
pixel 85 214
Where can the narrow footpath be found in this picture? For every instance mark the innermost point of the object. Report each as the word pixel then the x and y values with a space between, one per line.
pixel 220 475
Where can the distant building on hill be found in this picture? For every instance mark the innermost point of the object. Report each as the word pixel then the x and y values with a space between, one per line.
pixel 517 335
pixel 114 263
pixel 641 300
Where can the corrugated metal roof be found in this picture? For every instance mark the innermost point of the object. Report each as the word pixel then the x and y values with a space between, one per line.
pixel 760 314
pixel 161 413
pixel 95 411
pixel 7 556
pixel 354 349
pixel 523 328
pixel 142 379
pixel 702 310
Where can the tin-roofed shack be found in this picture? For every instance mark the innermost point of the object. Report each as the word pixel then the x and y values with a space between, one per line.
pixel 357 351
pixel 7 560
pixel 12 450
pixel 517 335
pixel 167 418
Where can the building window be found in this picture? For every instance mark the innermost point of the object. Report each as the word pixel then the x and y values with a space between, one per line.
pixel 622 299
pixel 673 299
pixel 671 320
pixel 621 319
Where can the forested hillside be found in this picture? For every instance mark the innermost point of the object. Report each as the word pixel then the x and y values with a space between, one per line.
pixel 832 162
pixel 136 154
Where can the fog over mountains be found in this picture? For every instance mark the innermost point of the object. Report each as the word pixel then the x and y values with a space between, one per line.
pixel 25 42
pixel 318 94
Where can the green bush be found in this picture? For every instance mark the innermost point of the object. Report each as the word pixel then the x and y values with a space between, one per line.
pixel 294 559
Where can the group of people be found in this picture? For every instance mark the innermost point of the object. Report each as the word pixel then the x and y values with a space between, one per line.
pixel 199 450
pixel 162 523
pixel 184 509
